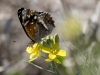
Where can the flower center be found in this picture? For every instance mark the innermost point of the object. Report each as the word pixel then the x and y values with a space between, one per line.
pixel 53 51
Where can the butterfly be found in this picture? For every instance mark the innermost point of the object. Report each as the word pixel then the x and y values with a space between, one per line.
pixel 35 24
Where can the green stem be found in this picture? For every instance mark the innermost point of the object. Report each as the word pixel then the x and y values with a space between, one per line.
pixel 83 66
pixel 55 68
pixel 40 67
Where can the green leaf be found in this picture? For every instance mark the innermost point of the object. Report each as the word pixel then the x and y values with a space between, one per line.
pixel 56 39
pixel 44 43
pixel 49 42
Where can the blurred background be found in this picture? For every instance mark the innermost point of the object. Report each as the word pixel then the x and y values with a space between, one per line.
pixel 77 24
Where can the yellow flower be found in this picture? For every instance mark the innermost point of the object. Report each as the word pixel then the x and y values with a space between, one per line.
pixel 54 53
pixel 34 51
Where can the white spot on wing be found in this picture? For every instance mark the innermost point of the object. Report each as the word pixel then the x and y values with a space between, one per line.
pixel 26 23
pixel 35 17
pixel 43 24
pixel 32 22
pixel 34 27
pixel 28 16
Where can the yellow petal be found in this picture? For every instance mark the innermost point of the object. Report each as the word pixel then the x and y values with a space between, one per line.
pixel 29 49
pixel 35 45
pixel 61 53
pixel 57 61
pixel 33 57
pixel 52 56
pixel 38 53
pixel 48 60
pixel 46 51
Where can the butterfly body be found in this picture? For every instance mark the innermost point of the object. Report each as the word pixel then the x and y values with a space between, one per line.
pixel 35 24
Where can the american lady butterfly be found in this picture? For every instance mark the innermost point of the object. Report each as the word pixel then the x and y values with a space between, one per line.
pixel 35 24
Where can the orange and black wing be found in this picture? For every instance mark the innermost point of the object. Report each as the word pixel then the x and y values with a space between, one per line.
pixel 28 23
pixel 36 24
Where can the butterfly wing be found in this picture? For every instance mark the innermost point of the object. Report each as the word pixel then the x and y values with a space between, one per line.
pixel 35 24
pixel 28 23
pixel 45 24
